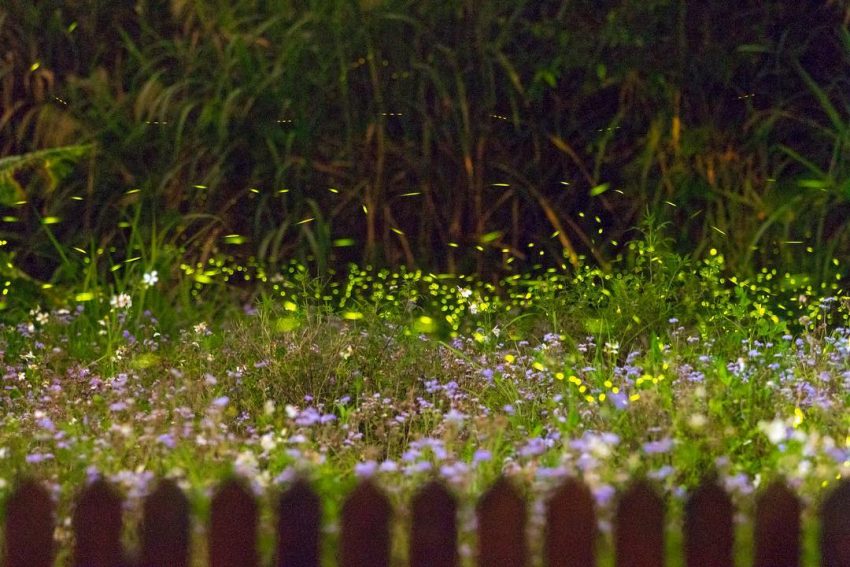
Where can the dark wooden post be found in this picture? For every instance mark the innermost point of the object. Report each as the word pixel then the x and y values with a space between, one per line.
pixel 571 527
pixel 433 534
pixel 777 529
pixel 29 526
pixel 365 540
pixel 165 527
pixel 501 527
pixel 639 529
pixel 298 522
pixel 233 526
pixel 97 527
pixel 709 531
pixel 835 527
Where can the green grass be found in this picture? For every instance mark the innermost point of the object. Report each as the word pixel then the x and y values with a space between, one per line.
pixel 540 376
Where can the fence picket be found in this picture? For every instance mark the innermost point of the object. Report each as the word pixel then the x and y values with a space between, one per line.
pixel 709 532
pixel 639 529
pixel 835 527
pixel 571 527
pixel 299 520
pixel 501 527
pixel 777 529
pixel 365 540
pixel 433 534
pixel 165 527
pixel 233 526
pixel 570 536
pixel 97 527
pixel 29 526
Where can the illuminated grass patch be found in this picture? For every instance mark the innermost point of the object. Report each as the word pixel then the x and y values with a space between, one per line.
pixel 663 367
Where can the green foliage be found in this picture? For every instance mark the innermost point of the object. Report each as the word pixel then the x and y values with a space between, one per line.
pixel 52 166
pixel 450 136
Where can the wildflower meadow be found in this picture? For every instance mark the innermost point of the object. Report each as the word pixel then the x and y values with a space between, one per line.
pixel 663 369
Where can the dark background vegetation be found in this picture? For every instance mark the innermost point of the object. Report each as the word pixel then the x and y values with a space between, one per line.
pixel 510 120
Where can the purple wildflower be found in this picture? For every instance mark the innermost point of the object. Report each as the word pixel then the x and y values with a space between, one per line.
pixel 534 447
pixel 366 469
pixel 167 439
pixel 655 447
pixel 39 457
pixel 481 455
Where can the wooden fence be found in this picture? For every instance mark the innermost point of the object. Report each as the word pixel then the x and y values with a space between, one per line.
pixel 570 532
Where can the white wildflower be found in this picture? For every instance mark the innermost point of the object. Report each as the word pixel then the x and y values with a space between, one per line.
pixel 40 316
pixel 268 442
pixel 123 429
pixel 150 278
pixel 598 447
pixel 776 430
pixel 121 301
pixel 697 421
pixel 612 348
pixel 246 460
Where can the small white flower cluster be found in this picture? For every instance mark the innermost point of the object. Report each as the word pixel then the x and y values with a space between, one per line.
pixel 612 348
pixel 121 301
pixel 40 316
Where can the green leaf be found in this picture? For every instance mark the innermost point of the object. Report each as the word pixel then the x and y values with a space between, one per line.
pixel 841 127
pixel 53 161
pixel 512 73
pixel 546 76
pixel 10 190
